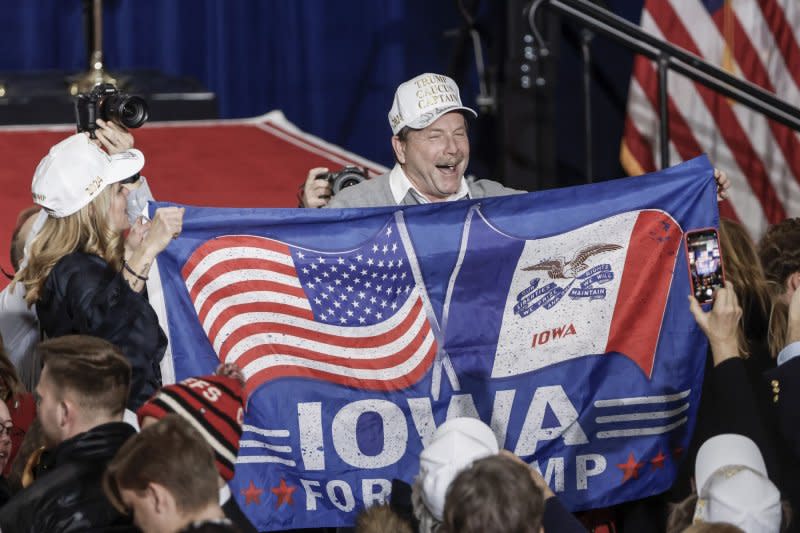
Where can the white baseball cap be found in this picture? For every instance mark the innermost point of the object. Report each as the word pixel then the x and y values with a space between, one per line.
pixel 75 172
pixel 733 486
pixel 455 445
pixel 421 100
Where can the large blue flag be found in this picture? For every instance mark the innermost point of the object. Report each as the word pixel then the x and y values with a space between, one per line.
pixel 560 318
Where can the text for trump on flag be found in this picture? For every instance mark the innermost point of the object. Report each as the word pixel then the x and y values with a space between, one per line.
pixel 559 317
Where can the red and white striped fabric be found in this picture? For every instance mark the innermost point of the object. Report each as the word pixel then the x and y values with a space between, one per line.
pixel 757 41
pixel 354 318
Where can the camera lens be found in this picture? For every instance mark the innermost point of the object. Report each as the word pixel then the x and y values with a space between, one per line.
pixel 347 178
pixel 129 111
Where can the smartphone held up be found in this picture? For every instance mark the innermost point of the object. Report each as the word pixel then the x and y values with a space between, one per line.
pixel 705 263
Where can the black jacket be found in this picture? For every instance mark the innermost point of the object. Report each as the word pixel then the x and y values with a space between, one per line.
pixel 84 295
pixel 782 388
pixel 68 495
pixel 234 513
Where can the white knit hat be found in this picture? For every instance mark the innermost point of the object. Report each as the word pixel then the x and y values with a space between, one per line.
pixel 421 100
pixel 733 486
pixel 75 172
pixel 455 445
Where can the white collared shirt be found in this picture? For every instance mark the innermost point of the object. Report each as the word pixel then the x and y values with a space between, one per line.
pixel 789 352
pixel 400 185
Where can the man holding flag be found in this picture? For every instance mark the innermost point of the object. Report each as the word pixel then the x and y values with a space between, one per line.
pixel 358 339
pixel 431 146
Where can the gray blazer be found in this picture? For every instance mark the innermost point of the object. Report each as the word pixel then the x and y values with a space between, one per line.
pixel 376 192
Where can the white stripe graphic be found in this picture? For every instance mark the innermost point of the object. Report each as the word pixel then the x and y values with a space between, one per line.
pixel 244 459
pixel 259 444
pixel 378 374
pixel 234 253
pixel 236 276
pixel 640 400
pixel 266 432
pixel 223 304
pixel 652 415
pixel 315 328
pixel 333 350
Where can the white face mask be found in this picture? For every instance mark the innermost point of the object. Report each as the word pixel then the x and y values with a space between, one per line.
pixel 137 201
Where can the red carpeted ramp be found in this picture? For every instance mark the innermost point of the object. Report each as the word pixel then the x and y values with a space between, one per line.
pixel 257 162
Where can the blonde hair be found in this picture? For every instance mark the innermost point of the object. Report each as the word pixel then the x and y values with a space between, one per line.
pixel 780 257
pixel 381 519
pixel 87 230
pixel 778 322
pixel 743 270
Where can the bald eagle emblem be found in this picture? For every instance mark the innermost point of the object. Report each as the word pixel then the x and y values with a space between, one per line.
pixel 558 269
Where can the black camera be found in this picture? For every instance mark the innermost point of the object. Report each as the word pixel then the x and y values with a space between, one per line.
pixel 107 103
pixel 346 177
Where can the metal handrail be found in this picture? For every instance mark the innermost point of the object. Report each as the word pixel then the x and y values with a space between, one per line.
pixel 668 57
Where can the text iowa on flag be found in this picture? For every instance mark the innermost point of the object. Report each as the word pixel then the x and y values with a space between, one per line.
pixel 320 443
pixel 596 289
pixel 353 317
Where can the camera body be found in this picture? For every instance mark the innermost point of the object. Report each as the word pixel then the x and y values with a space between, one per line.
pixel 346 177
pixel 105 102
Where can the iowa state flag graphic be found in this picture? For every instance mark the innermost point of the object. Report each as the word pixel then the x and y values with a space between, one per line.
pixel 559 318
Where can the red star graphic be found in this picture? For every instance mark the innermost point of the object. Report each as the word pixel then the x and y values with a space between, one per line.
pixel 658 460
pixel 284 494
pixel 630 468
pixel 252 494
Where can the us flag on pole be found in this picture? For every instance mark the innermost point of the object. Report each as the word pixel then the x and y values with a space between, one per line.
pixel 352 317
pixel 756 41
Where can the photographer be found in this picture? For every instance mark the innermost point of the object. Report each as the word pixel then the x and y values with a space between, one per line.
pixel 431 148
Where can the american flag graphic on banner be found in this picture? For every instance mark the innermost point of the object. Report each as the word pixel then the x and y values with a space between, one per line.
pixel 349 317
pixel 756 41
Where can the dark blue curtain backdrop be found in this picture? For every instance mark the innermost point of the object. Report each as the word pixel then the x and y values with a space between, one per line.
pixel 330 65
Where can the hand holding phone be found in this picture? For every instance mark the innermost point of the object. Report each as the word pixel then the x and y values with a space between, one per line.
pixel 720 324
pixel 704 256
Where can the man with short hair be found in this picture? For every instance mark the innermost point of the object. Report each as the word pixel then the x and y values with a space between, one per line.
pixel 496 493
pixel 431 147
pixel 165 476
pixel 213 405
pixel 81 395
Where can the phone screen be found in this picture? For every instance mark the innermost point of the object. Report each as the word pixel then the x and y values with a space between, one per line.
pixel 705 263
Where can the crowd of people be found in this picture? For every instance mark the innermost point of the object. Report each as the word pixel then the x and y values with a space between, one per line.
pixel 92 440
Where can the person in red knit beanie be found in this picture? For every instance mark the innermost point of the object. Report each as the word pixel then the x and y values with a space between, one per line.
pixel 214 406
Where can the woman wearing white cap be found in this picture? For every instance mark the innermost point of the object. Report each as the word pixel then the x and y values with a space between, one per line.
pixel 80 275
